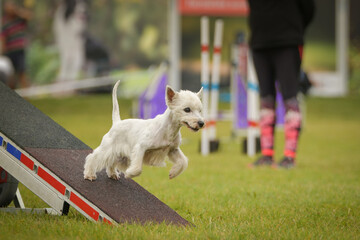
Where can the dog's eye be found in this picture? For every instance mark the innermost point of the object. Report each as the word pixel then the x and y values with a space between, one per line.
pixel 187 110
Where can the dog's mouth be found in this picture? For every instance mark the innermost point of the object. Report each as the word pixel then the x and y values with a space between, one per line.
pixel 192 128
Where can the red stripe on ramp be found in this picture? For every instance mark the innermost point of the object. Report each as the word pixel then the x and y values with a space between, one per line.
pixel 84 206
pixel 51 180
pixel 107 221
pixel 27 161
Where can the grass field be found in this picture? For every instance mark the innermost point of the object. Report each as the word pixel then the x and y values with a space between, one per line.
pixel 319 199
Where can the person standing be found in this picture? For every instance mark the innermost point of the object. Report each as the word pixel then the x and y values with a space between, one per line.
pixel 69 29
pixel 14 40
pixel 277 38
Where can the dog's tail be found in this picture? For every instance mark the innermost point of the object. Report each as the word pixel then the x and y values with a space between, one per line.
pixel 116 112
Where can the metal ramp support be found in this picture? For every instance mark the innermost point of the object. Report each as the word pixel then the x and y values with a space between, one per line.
pixel 44 184
pixel 20 207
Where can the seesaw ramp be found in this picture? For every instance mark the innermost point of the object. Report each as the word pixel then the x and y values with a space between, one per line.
pixel 49 161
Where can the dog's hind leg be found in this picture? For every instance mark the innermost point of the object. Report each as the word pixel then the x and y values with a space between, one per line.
pixel 89 167
pixel 136 161
pixel 180 162
pixel 95 162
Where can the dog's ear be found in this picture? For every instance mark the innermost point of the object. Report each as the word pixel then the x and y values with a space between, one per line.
pixel 199 93
pixel 170 95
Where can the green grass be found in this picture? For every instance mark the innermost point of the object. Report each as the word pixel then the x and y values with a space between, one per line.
pixel 319 56
pixel 319 199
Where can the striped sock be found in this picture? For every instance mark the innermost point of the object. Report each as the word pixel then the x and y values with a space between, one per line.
pixel 267 125
pixel 292 127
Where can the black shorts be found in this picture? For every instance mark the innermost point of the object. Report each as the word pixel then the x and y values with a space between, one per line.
pixel 278 64
pixel 18 60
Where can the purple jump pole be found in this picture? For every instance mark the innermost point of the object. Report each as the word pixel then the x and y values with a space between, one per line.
pixel 152 103
pixel 157 102
pixel 241 98
pixel 142 101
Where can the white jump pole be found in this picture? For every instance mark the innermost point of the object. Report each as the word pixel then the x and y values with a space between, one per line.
pixel 253 109
pixel 1 10
pixel 342 44
pixel 215 78
pixel 205 148
pixel 174 32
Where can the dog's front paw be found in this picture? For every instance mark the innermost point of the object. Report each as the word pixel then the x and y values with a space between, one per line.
pixel 132 173
pixel 115 176
pixel 90 177
pixel 171 175
pixel 175 171
pixel 129 175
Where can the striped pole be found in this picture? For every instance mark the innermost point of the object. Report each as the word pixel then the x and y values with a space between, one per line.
pixel 215 78
pixel 205 81
pixel 253 109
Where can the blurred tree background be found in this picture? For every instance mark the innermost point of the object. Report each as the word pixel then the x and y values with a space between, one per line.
pixel 134 31
pixel 135 34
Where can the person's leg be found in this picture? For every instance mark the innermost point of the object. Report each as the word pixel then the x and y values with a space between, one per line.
pixel 267 125
pixel 288 63
pixel 292 127
pixel 18 60
pixel 12 79
pixel 24 83
pixel 21 69
pixel 265 73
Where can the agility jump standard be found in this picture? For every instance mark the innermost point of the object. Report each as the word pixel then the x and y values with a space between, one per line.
pixel 49 160
pixel 208 136
pixel 205 82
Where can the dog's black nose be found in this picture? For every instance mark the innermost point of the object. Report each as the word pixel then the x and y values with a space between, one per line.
pixel 201 123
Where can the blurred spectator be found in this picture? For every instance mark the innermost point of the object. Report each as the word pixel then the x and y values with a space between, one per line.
pixel 277 38
pixel 69 29
pixel 97 57
pixel 14 40
pixel 6 69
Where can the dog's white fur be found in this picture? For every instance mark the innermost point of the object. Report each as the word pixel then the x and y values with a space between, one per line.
pixel 131 143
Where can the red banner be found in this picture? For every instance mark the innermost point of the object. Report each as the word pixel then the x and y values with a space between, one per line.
pixel 214 7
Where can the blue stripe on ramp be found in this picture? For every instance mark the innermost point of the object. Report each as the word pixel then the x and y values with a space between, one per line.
pixel 13 151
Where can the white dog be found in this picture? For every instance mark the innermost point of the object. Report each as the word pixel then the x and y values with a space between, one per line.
pixel 131 143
